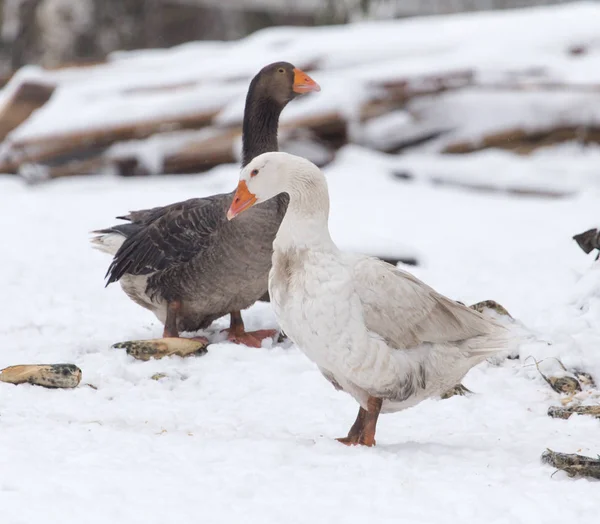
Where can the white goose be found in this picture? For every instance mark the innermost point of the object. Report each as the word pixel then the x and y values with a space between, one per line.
pixel 374 331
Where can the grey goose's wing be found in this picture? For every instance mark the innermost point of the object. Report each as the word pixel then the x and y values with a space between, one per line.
pixel 405 312
pixel 147 216
pixel 168 236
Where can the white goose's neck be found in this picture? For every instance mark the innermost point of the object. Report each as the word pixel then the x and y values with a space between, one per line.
pixel 305 225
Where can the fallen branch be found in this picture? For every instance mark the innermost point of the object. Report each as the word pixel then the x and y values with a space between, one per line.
pixel 572 464
pixel 565 413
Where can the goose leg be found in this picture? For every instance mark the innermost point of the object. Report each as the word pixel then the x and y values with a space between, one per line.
pixel 170 344
pixel 362 431
pixel 356 428
pixel 238 335
pixel 170 330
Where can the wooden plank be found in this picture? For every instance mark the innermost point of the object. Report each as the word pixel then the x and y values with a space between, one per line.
pixel 45 148
pixel 28 97
pixel 203 154
pixel 524 142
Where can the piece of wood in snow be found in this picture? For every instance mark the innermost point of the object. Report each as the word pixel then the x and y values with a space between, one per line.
pixel 558 412
pixel 572 464
pixel 46 375
pixel 28 97
pixel 162 347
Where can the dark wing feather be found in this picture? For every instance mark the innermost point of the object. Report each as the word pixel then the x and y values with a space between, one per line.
pixel 168 236
pixel 121 229
pixel 588 240
pixel 146 216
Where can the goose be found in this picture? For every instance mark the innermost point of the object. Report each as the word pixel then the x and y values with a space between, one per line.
pixel 374 331
pixel 185 262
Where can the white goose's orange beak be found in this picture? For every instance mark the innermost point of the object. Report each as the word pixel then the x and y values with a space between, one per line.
pixel 303 83
pixel 242 200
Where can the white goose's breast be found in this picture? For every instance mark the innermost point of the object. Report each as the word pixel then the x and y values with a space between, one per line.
pixel 312 300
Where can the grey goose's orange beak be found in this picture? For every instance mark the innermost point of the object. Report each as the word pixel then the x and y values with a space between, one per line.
pixel 303 83
pixel 242 200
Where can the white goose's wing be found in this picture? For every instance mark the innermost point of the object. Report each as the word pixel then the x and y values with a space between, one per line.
pixel 405 312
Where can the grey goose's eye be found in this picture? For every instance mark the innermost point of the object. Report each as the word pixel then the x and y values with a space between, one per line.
pixel 281 70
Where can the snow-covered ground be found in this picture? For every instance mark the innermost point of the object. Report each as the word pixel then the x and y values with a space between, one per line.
pixel 246 435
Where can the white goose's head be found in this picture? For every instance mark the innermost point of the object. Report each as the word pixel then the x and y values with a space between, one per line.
pixel 267 176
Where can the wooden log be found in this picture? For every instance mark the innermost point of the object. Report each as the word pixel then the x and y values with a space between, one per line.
pixel 565 413
pixel 81 63
pixel 203 154
pixel 524 142
pixel 404 89
pixel 37 173
pixel 572 464
pixel 46 375
pixel 45 148
pixel 28 97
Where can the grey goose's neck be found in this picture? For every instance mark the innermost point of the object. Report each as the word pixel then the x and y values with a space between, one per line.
pixel 261 121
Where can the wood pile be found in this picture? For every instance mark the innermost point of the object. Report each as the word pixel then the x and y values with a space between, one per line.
pixel 444 100
pixel 87 151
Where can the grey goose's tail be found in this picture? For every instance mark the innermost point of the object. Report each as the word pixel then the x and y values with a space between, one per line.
pixel 109 240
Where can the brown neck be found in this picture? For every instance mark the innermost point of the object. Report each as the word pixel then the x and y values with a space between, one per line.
pixel 261 121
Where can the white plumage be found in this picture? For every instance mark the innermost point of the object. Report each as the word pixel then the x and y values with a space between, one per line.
pixel 108 242
pixel 376 332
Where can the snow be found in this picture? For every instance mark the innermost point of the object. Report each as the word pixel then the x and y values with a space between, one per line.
pixel 498 111
pixel 563 169
pixel 245 435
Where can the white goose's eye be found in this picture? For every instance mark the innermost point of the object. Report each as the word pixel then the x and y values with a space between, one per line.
pixel 254 172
